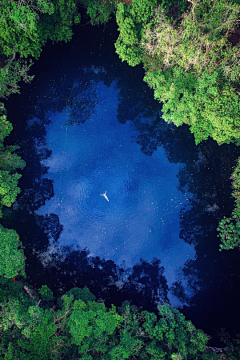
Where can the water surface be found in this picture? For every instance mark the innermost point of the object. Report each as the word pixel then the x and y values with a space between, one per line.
pixel 141 219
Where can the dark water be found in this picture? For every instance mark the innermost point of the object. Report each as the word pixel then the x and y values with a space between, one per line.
pixel 88 124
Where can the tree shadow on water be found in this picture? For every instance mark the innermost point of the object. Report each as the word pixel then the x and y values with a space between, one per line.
pixel 144 285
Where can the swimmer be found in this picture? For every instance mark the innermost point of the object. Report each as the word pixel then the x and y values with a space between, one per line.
pixel 105 195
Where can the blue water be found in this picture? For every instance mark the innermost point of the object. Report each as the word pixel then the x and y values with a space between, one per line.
pixel 142 218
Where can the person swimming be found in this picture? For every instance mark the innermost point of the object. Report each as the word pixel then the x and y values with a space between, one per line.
pixel 105 195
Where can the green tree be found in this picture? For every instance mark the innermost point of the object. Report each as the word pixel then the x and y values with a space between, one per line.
pixel 10 76
pixel 91 326
pixel 58 26
pixel 9 162
pixel 190 63
pixel 39 341
pixel 132 21
pixel 46 293
pixel 194 69
pixel 88 330
pixel 199 40
pixel 207 104
pixel 229 228
pixel 99 11
pixel 26 25
pixel 11 255
pixel 19 27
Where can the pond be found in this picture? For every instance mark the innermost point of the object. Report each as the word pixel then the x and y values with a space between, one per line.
pixel 88 126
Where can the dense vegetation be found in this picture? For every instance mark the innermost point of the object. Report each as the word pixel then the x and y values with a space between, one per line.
pixel 190 53
pixel 229 228
pixel 78 327
pixel 11 257
pixel 189 61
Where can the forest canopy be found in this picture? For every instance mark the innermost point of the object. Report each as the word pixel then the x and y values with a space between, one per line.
pixel 191 62
pixel 79 327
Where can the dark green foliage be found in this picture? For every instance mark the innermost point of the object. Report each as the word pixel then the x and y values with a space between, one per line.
pixel 26 25
pixel 229 228
pixel 99 11
pixel 25 28
pixel 9 162
pixel 11 256
pixel 82 294
pixel 19 27
pixel 196 70
pixel 190 63
pixel 88 330
pixel 46 293
pixel 12 74
pixel 58 26
pixel 210 111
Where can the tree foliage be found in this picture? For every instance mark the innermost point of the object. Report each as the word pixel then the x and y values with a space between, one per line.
pixel 132 20
pixel 199 41
pixel 11 255
pixel 190 63
pixel 12 74
pixel 209 105
pixel 229 228
pixel 99 11
pixel 9 162
pixel 26 25
pixel 19 27
pixel 78 328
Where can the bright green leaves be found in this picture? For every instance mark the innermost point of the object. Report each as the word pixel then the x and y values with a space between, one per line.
pixel 130 346
pixel 39 342
pixel 9 162
pixel 22 25
pixel 173 331
pixel 182 334
pixel 25 28
pixel 31 331
pixel 11 256
pixel 19 27
pixel 132 20
pixel 18 30
pixel 5 126
pixel 209 106
pixel 45 6
pixel 8 188
pixel 193 69
pixel 127 45
pixel 229 228
pixel 91 325
pixel 79 330
pixel 199 40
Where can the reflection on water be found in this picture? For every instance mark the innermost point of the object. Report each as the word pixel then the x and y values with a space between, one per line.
pixel 141 219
